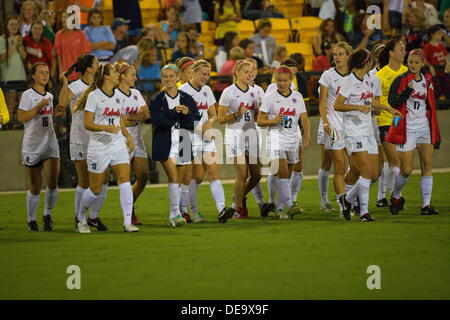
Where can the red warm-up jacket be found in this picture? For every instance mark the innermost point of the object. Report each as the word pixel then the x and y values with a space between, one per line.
pixel 398 95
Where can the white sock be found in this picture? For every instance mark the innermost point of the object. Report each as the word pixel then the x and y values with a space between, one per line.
pixel 174 200
pixel 352 192
pixel 399 182
pixel 184 197
pixel 323 178
pixel 98 203
pixel 382 182
pixel 51 196
pixel 218 194
pixel 233 205
pixel 258 194
pixel 126 201
pixel 193 187
pixel 392 173
pixel 426 186
pixel 295 184
pixel 284 193
pixel 85 203
pixel 272 186
pixel 32 204
pixel 78 194
pixel 363 187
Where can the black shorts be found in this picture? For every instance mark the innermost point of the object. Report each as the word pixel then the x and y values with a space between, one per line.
pixel 383 132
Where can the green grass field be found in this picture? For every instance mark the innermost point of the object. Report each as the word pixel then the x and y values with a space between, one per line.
pixel 316 256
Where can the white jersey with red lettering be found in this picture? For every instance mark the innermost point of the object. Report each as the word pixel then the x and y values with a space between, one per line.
pixel 39 135
pixel 78 133
pixel 416 105
pixel 132 104
pixel 357 92
pixel 286 135
pixel 376 84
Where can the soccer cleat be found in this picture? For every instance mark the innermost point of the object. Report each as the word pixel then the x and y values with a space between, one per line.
pixel 198 217
pixel 32 226
pixel 428 210
pixel 396 205
pixel 282 215
pixel 179 221
pixel 244 206
pixel 226 214
pixel 326 207
pixel 294 210
pixel 48 223
pixel 345 207
pixel 355 211
pixel 266 208
pixel 134 219
pixel 130 228
pixel 382 203
pixel 187 217
pixel 172 223
pixel 82 227
pixel 240 214
pixel 366 218
pixel 97 223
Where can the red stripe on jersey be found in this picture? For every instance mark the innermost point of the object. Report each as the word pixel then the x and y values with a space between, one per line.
pixel 46 111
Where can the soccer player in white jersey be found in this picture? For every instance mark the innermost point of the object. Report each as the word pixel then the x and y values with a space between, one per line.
pixel 281 111
pixel 413 94
pixel 134 110
pixel 333 145
pixel 238 107
pixel 264 207
pixel 102 105
pixel 355 100
pixel 173 113
pixel 86 65
pixel 40 148
pixel 204 147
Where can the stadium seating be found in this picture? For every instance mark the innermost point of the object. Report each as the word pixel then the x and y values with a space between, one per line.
pixel 280 29
pixel 208 33
pixel 305 49
pixel 210 52
pixel 150 11
pixel 246 28
pixel 290 8
pixel 304 28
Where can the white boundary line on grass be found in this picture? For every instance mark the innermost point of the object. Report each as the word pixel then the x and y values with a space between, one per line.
pixel 224 181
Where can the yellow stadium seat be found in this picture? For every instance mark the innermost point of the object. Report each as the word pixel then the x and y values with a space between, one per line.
pixel 210 52
pixel 300 23
pixel 280 29
pixel 307 35
pixel 167 55
pixel 147 4
pixel 246 28
pixel 208 26
pixel 296 47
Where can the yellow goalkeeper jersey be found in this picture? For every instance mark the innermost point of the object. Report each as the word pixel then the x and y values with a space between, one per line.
pixel 387 76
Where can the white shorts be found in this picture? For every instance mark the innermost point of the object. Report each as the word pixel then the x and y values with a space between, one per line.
pixel 238 143
pixel 337 144
pixel 360 144
pixel 376 132
pixel 184 156
pixel 139 146
pixel 413 138
pixel 320 136
pixel 101 155
pixel 35 159
pixel 207 146
pixel 290 156
pixel 78 151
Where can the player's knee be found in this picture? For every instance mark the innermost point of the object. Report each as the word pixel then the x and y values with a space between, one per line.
pixel 96 189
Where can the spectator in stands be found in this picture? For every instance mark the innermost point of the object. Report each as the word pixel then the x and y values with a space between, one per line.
pixel 300 60
pixel 192 13
pixel 148 67
pixel 327 33
pixel 431 14
pixel 436 56
pixel 48 17
pixel 132 52
pixel 129 10
pixel 446 28
pixel 323 62
pixel 230 40
pixel 39 48
pixel 279 57
pixel 353 8
pixel 184 47
pixel 298 81
pixel 264 43
pixel 119 28
pixel 12 51
pixel 100 37
pixel 4 113
pixel 258 9
pixel 236 53
pixel 415 34
pixel 227 13
pixel 85 7
pixel 393 15
pixel 197 47
pixel 363 37
pixel 249 50
pixel 69 45
pixel 172 26
pixel 29 12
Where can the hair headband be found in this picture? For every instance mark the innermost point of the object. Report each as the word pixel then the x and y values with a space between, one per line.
pixel 186 64
pixel 170 66
pixel 418 52
pixel 367 58
pixel 124 68
pixel 283 69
